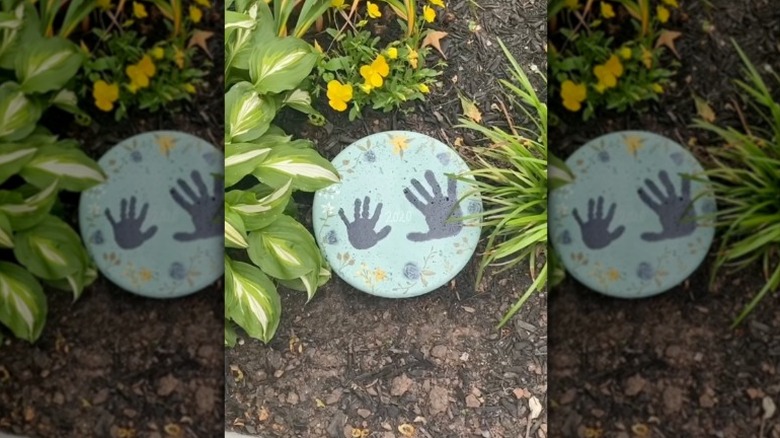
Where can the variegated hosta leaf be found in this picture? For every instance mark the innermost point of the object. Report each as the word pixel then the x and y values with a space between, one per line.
pixel 12 157
pixel 230 335
pixel 258 213
pixel 72 167
pixel 22 302
pixel 26 213
pixel 48 64
pixel 300 100
pixel 241 159
pixel 6 233
pixel 78 281
pixel 251 300
pixel 68 101
pixel 284 249
pixel 308 283
pixel 18 114
pixel 235 233
pixel 247 114
pixel 50 250
pixel 281 64
pixel 307 169
pixel 238 20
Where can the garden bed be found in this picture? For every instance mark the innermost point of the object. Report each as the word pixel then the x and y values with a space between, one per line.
pixel 351 360
pixel 114 364
pixel 670 365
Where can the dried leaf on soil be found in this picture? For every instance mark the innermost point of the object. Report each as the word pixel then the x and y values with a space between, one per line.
pixel 666 38
pixel 406 430
pixel 703 109
pixel 769 407
pixel 433 39
pixel 200 38
pixel 470 109
pixel 536 407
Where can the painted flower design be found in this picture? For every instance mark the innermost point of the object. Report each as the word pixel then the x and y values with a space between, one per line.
pixel 566 237
pixel 604 156
pixel 97 237
pixel 444 158
pixel 136 156
pixel 411 271
pixel 645 271
pixel 177 271
pixel 331 238
pixel 370 156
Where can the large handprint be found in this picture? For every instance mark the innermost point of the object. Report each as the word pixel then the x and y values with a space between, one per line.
pixel 127 230
pixel 360 231
pixel 206 211
pixel 442 212
pixel 595 232
pixel 676 213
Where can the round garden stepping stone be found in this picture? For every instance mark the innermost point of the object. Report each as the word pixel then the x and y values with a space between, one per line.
pixel 155 227
pixel 625 227
pixel 390 227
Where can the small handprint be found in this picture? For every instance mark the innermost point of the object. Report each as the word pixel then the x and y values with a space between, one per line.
pixel 676 213
pixel 442 212
pixel 595 232
pixel 360 231
pixel 206 211
pixel 127 230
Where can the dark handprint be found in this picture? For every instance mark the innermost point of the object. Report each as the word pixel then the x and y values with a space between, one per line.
pixel 361 232
pixel 442 213
pixel 595 232
pixel 127 231
pixel 206 211
pixel 675 212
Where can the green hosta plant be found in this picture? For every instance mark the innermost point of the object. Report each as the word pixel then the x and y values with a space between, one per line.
pixel 746 180
pixel 511 176
pixel 34 167
pixel 263 167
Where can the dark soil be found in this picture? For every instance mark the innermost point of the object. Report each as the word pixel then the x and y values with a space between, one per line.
pixel 351 360
pixel 670 366
pixel 114 364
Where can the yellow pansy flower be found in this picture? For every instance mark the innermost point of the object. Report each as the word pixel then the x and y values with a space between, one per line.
pixel 337 3
pixel 429 14
pixel 189 88
pixel 338 95
pixel 392 53
pixel 205 3
pixel 178 57
pixel 672 3
pixel 373 10
pixel 572 4
pixel 663 14
pixel 104 4
pixel 157 53
pixel 607 11
pixel 105 95
pixel 375 72
pixel 657 88
pixel 647 57
pixel 609 72
pixel 573 95
pixel 195 14
pixel 439 3
pixel 423 88
pixel 139 10
pixel 147 66
pixel 625 53
pixel 137 77
pixel 413 57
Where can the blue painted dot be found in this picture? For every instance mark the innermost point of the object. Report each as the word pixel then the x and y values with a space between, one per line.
pixel 97 237
pixel 604 156
pixel 331 237
pixel 444 158
pixel 645 271
pixel 411 271
pixel 177 271
pixel 211 157
pixel 370 156
pixel 566 237
pixel 677 158
pixel 136 156
pixel 475 207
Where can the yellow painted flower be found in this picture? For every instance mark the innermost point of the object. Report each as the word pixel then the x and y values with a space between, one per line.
pixel 137 77
pixel 663 14
pixel 647 58
pixel 423 88
pixel 429 14
pixel 105 95
pixel 147 66
pixel 145 275
pixel 139 10
pixel 157 53
pixel 439 3
pixel 195 14
pixel 373 10
pixel 205 3
pixel 104 4
pixel 572 4
pixel 379 275
pixel 189 88
pixel 657 88
pixel 672 3
pixel 613 274
pixel 633 144
pixel 573 95
pixel 178 57
pixel 166 144
pixel 400 144
pixel 413 57
pixel 625 52
pixel 392 53
pixel 339 94
pixel 607 11
pixel 375 72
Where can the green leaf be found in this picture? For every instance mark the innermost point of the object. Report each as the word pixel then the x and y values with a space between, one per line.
pixel 251 300
pixel 72 167
pixel 18 114
pixel 77 282
pixel 308 283
pixel 281 64
pixel 67 100
pixel 230 335
pixel 284 249
pixel 241 159
pixel 247 114
pixel 50 250
pixel 47 65
pixel 307 169
pixel 25 213
pixel 235 232
pixel 258 213
pixel 22 302
pixel 6 233
pixel 13 157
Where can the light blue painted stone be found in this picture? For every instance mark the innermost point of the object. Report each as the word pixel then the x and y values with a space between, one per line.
pixel 410 245
pixel 155 228
pixel 624 227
